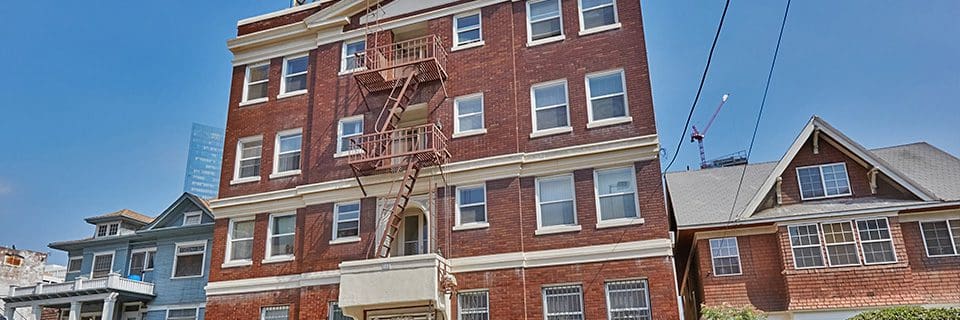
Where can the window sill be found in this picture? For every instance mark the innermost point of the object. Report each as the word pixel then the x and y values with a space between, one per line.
pixel 600 29
pixel 619 223
pixel 557 229
pixel 278 259
pixel 826 197
pixel 345 240
pixel 185 277
pixel 342 154
pixel 467 46
pixel 244 180
pixel 346 72
pixel 236 264
pixel 292 94
pixel 254 101
pixel 546 40
pixel 609 122
pixel 468 133
pixel 471 226
pixel 285 174
pixel 550 132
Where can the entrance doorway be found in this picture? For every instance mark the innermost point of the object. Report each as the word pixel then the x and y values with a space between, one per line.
pixel 414 234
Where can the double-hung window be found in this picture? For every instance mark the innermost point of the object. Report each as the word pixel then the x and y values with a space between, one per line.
pixel 941 238
pixel 353 55
pixel 606 95
pixel 286 156
pixel 555 201
pixel 468 111
pixel 102 265
pixel 182 314
pixel 347 220
pixel 473 305
pixel 876 243
pixel 823 181
pixel 841 243
pixel 256 81
pixel 616 193
pixel 628 300
pixel 466 29
pixel 189 259
pixel 280 235
pixel 471 205
pixel 544 20
pixel 346 129
pixel 725 254
pixel 550 105
pixel 275 313
pixel 240 240
pixel 563 302
pixel 805 244
pixel 142 261
pixel 248 158
pixel 598 15
pixel 294 74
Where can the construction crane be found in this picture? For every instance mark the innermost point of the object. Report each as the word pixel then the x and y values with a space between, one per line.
pixel 698 136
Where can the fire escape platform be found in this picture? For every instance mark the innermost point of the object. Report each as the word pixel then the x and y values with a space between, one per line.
pixel 383 151
pixel 383 65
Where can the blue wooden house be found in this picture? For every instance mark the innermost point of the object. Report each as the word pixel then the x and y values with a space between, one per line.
pixel 133 267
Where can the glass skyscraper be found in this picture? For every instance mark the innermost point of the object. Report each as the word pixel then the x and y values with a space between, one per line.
pixel 203 161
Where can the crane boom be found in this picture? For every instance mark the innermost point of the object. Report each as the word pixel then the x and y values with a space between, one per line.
pixel 698 136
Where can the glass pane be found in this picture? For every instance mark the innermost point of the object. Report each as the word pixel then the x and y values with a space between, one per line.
pixel 250 149
pixel 243 229
pixel 352 127
pixel 295 83
pixel 726 266
pixel 843 254
pixel 259 73
pixel 589 4
pixel 615 181
pixel 804 235
pixel 558 213
pixel 877 252
pixel 552 118
pixel 474 213
pixel 465 37
pixel 290 161
pixel 599 17
pixel 190 265
pixel 554 189
pixel 256 91
pixel 102 265
pixel 471 105
pixel 610 107
pixel 466 22
pixel 348 229
pixel 297 65
pixel 281 245
pixel 544 9
pixel 808 257
pixel 471 122
pixel 955 227
pixel 137 262
pixel 471 195
pixel 835 178
pixel 837 233
pixel 355 47
pixel 545 29
pixel 284 224
pixel 250 168
pixel 290 143
pixel 241 250
pixel 606 84
pixel 810 184
pixel 550 95
pixel 617 207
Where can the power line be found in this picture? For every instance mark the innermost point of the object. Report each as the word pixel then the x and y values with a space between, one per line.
pixel 703 79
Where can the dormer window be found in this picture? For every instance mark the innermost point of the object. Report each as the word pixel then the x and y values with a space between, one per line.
pixel 823 181
pixel 192 218
pixel 108 229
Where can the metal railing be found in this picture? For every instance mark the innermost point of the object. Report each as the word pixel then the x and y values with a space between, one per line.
pixel 403 53
pixel 426 143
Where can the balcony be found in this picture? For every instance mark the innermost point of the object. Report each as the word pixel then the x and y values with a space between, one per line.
pixel 405 282
pixel 81 287
pixel 382 65
pixel 425 144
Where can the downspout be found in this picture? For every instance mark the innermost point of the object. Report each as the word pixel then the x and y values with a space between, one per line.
pixel 516 119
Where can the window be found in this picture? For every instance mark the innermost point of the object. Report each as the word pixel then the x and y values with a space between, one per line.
pixel 595 14
pixel 248 158
pixel 550 105
pixel 606 97
pixel 563 302
pixel 348 128
pixel 471 205
pixel 13 260
pixel 347 222
pixel 275 313
pixel 294 74
pixel 189 259
pixel 941 238
pixel 468 111
pixel 75 264
pixel 473 305
pixel 141 261
pixel 102 265
pixel 823 181
pixel 255 83
pixel 875 241
pixel 628 300
pixel 182 314
pixel 240 240
pixel 726 256
pixel 466 29
pixel 281 234
pixel 336 313
pixel 555 204
pixel 286 157
pixel 544 20
pixel 108 229
pixel 616 193
pixel 353 55
pixel 841 244
pixel 192 218
pixel 805 243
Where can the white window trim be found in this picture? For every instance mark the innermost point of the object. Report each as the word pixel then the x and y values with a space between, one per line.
pixel 269 257
pixel 276 154
pixel 646 289
pixel 238 158
pixel 713 258
pixel 533 108
pixel 456 116
pixel 819 246
pixel 893 245
pixel 343 55
pixel 560 37
pixel 192 214
pixel 93 262
pixel 246 84
pixel 228 259
pixel 336 223
pixel 146 254
pixel 926 250
pixel 601 223
pixel 284 76
pixel 541 230
pixel 456 34
pixel 196 314
pixel 823 182
pixel 108 224
pixel 856 245
pixel 471 225
pixel 459 305
pixel 340 136
pixel 71 259
pixel 626 118
pixel 543 297
pixel 616 19
pixel 176 254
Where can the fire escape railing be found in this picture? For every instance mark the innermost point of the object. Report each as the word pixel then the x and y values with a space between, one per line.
pixel 390 149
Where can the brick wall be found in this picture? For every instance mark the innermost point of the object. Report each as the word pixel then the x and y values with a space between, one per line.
pixel 932 276
pixel 761 283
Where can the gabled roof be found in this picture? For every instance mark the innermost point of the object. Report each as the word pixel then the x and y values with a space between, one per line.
pixel 932 168
pixel 172 209
pixel 123 214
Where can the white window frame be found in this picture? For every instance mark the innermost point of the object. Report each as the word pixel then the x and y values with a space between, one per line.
pixel 247 83
pixel 284 76
pixel 533 108
pixel 331 307
pixel 543 295
pixel 263 311
pixel 107 234
pixel 343 55
pixel 541 229
pixel 826 247
pixel 456 33
pixel 276 153
pixel 923 236
pixel 646 295
pixel 596 197
pixel 269 256
pixel 146 257
pixel 614 25
pixel 176 254
pixel 340 135
pixel 70 260
pixel 486 295
pixel 457 132
pixel 591 123
pixel 823 183
pixel 187 215
pixel 238 159
pixel 93 262
pixel 561 36
pixel 863 252
pixel 486 217
pixel 229 260
pixel 819 246
pixel 336 222
pixel 713 258
pixel 196 311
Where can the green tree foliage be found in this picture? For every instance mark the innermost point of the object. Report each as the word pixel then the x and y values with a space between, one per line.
pixel 728 312
pixel 912 313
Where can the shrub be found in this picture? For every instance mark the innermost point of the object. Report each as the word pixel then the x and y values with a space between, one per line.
pixel 728 312
pixel 917 313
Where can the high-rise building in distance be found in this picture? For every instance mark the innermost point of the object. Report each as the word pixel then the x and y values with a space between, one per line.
pixel 203 161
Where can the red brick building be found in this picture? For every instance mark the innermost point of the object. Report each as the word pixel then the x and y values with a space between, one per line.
pixel 483 159
pixel 828 231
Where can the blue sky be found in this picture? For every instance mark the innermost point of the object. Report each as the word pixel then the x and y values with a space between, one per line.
pixel 97 97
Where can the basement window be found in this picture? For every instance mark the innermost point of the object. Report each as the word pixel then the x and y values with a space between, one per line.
pixel 941 238
pixel 823 181
pixel 347 220
pixel 725 254
pixel 598 15
pixel 473 305
pixel 550 106
pixel 466 30
pixel 275 313
pixel 256 82
pixel 563 302
pixel 248 159
pixel 294 74
pixel 544 21
pixel 628 300
pixel 286 159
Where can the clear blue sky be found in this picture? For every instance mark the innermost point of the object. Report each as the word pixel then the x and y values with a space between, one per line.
pixel 97 97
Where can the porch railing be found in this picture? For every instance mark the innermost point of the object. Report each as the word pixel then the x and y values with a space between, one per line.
pixel 111 282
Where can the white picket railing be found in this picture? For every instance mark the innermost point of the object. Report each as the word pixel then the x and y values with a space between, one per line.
pixel 112 282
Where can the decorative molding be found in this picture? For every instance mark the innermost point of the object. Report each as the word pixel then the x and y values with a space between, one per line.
pixel 740 232
pixel 273 283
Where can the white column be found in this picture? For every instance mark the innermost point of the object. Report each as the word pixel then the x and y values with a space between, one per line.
pixel 75 310
pixel 109 305
pixel 10 312
pixel 37 312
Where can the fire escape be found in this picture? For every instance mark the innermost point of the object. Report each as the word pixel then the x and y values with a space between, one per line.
pixel 400 69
